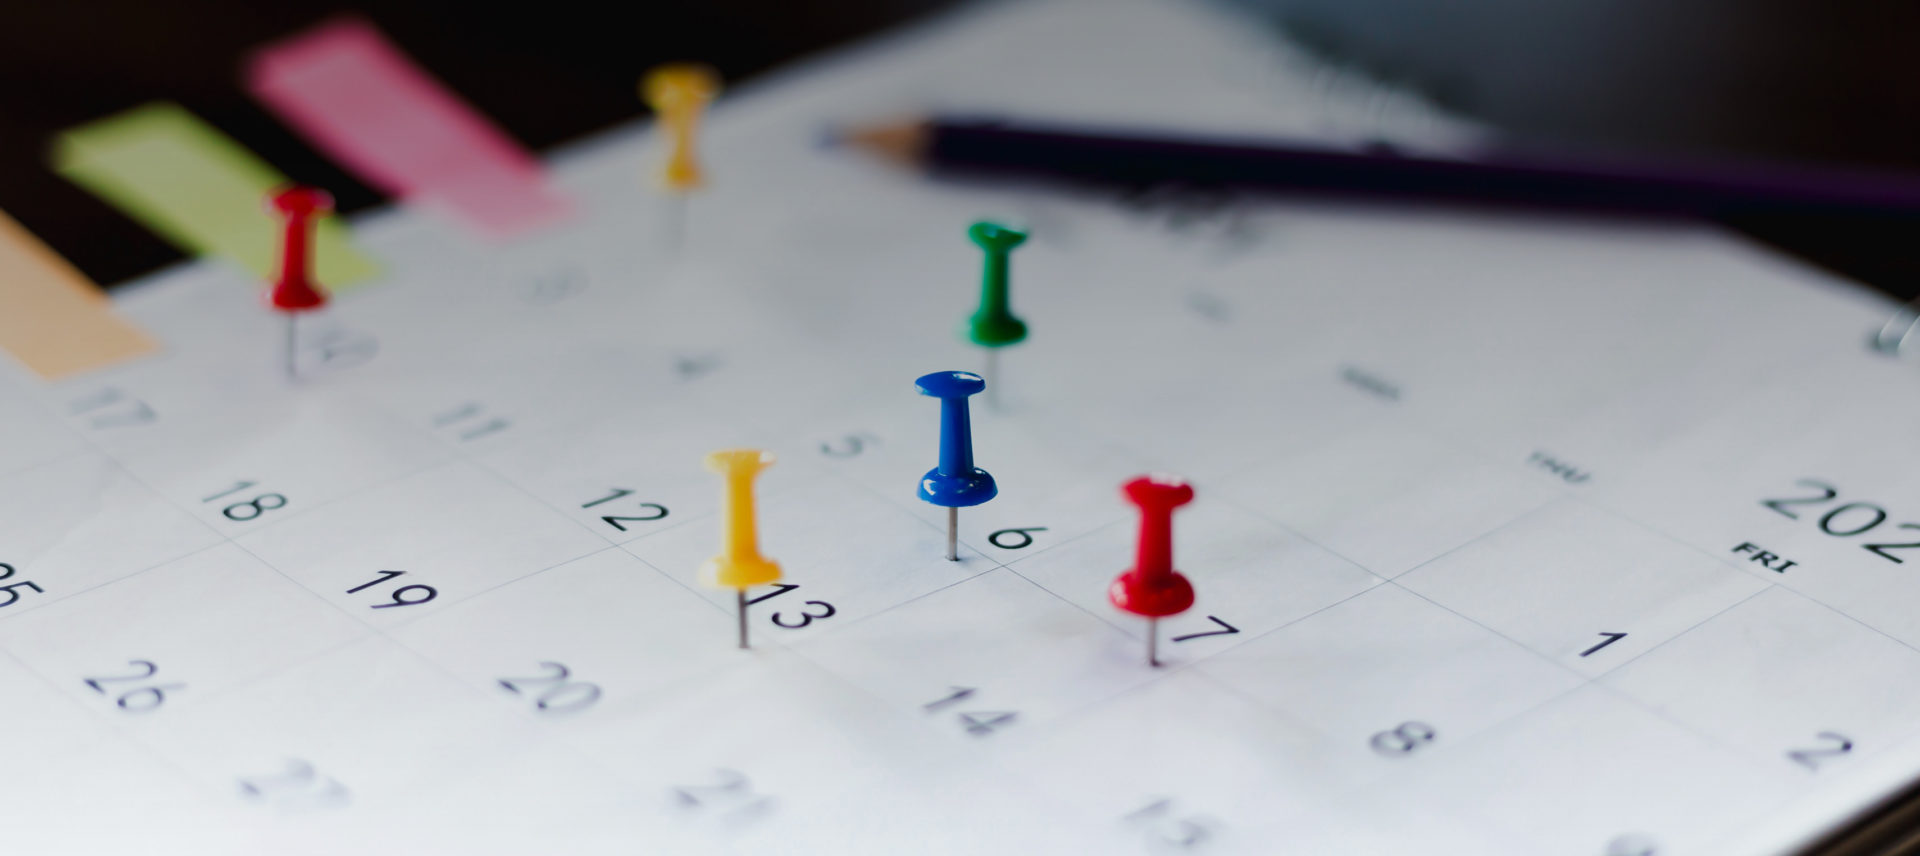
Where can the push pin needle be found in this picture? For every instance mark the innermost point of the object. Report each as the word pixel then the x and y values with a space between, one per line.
pixel 1152 588
pixel 993 325
pixel 739 566
pixel 956 483
pixel 294 290
pixel 679 94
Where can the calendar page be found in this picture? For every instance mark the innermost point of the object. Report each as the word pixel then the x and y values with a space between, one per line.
pixel 1513 534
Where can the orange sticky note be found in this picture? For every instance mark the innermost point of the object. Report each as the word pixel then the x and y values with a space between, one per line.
pixel 52 318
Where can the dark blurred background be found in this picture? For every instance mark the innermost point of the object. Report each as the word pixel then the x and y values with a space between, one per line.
pixel 548 72
pixel 1825 81
pixel 1795 79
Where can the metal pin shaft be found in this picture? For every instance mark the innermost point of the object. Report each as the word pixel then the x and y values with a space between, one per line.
pixel 293 339
pixel 677 205
pixel 742 612
pixel 993 378
pixel 953 534
pixel 1153 642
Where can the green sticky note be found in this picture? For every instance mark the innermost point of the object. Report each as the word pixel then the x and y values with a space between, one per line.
pixel 196 187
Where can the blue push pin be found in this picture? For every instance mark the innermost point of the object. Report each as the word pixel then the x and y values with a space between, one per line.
pixel 956 483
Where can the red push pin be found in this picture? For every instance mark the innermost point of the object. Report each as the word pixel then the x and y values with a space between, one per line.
pixel 1152 587
pixel 294 291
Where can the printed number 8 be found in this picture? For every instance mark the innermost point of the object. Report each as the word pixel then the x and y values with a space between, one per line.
pixel 258 504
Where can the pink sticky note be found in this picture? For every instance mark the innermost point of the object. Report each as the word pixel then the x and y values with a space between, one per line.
pixel 353 95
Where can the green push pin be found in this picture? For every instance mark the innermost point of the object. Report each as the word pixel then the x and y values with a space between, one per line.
pixel 993 326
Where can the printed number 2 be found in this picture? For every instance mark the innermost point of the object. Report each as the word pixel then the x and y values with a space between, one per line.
pixel 1812 758
pixel 299 786
pixel 729 799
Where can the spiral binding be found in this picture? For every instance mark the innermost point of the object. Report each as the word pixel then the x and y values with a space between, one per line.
pixel 1905 319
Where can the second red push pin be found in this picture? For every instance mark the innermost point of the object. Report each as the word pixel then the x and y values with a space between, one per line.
pixel 1152 588
pixel 294 290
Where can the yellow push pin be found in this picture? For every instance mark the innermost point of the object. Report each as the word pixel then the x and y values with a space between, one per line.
pixel 739 565
pixel 679 93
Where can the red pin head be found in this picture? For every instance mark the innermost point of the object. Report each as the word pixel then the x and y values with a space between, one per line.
pixel 294 289
pixel 1152 587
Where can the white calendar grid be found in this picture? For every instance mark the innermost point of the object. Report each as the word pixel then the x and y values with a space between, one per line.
pixel 1417 603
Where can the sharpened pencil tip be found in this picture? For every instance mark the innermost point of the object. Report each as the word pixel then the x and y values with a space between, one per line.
pixel 904 142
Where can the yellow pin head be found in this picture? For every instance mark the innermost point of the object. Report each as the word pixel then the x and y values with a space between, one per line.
pixel 739 564
pixel 678 83
pixel 732 462
pixel 678 93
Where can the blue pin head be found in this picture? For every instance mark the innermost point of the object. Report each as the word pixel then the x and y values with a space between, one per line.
pixel 956 482
pixel 951 385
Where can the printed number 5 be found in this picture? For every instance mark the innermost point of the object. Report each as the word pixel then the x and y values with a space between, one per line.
pixel 13 589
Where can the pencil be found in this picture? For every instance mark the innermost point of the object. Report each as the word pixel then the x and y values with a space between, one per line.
pixel 1503 178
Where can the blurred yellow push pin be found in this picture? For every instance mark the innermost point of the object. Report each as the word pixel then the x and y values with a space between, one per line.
pixel 679 93
pixel 739 565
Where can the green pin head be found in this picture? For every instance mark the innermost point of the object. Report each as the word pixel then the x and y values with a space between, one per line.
pixel 993 324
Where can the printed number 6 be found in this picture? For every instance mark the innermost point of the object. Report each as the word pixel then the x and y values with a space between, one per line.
pixel 806 618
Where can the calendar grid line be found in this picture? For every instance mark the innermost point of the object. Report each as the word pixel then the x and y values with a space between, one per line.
pixel 101 585
pixel 1485 732
pixel 1724 562
pixel 473 460
pixel 481 696
pixel 56 460
pixel 1596 679
pixel 857 620
pixel 308 507
pixel 372 631
pixel 121 731
pixel 225 538
pixel 403 621
pixel 1717 558
pixel 1065 717
pixel 853 484
pixel 1117 521
pixel 1688 629
pixel 1567 492
pixel 1695 731
pixel 676 580
pixel 1584 679
pixel 1270 520
pixel 241 685
pixel 1477 623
